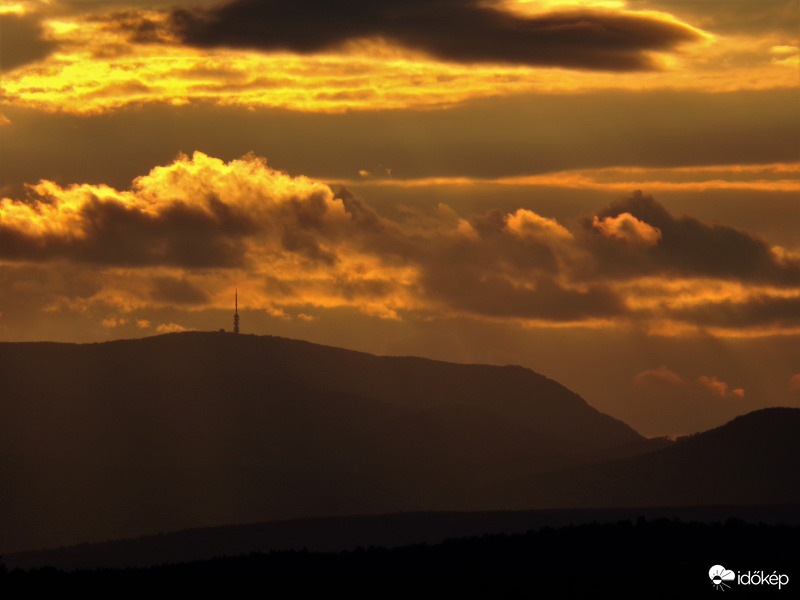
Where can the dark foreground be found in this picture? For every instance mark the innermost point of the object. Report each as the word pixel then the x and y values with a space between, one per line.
pixel 649 559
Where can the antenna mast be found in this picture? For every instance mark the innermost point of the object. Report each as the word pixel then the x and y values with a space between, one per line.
pixel 236 314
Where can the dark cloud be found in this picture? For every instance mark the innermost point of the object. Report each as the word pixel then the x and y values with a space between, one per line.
pixel 365 288
pixel 181 235
pixel 113 233
pixel 139 26
pixel 305 243
pixel 687 247
pixel 22 41
pixel 761 311
pixel 456 30
pixel 484 293
pixel 177 291
pixel 492 272
pixel 426 238
pixel 362 215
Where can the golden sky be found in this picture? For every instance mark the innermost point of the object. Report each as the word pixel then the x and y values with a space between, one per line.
pixel 606 192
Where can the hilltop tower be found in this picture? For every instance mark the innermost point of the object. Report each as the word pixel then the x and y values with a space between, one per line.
pixel 236 314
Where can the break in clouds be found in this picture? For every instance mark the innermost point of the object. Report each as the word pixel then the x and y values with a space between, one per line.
pixel 185 234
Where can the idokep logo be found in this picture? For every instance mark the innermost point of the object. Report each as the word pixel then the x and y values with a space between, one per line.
pixel 720 578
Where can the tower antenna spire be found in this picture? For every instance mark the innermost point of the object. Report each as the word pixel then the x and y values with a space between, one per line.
pixel 236 314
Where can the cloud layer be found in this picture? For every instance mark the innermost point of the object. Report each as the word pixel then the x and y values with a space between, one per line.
pixel 327 56
pixel 184 233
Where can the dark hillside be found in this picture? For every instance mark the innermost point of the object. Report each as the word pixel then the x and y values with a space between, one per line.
pixel 99 441
pixel 753 459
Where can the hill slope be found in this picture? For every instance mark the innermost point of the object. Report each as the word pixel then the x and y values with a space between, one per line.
pixel 99 441
pixel 753 459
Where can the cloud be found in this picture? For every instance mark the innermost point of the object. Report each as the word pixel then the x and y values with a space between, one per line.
pixel 776 177
pixel 184 235
pixel 23 41
pixel 194 213
pixel 676 404
pixel 756 17
pixel 794 383
pixel 108 60
pixel 464 31
pixel 177 291
pixel 720 388
pixel 755 310
pixel 682 246
pixel 495 295
pixel 664 377
pixel 661 375
pixel 170 328
pixel 627 228
pixel 114 321
pixel 326 56
pixel 526 223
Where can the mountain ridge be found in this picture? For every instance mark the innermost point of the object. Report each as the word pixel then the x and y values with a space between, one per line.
pixel 748 460
pixel 131 437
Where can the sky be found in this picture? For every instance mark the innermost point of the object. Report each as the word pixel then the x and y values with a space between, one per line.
pixel 605 192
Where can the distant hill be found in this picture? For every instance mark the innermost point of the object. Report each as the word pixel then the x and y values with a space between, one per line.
pixel 125 438
pixel 135 437
pixel 335 534
pixel 589 560
pixel 753 459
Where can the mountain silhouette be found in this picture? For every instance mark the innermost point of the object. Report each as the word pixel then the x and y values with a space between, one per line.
pixel 337 534
pixel 124 438
pixel 750 460
pixel 136 437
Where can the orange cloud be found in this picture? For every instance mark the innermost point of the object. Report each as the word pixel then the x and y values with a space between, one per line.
pixel 773 177
pixel 194 212
pixel 170 328
pixel 720 388
pixel 627 228
pixel 664 376
pixel 102 61
pixel 113 321
pixel 527 223
pixel 184 235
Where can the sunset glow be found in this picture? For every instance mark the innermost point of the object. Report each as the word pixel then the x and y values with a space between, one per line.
pixel 104 61
pixel 624 174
